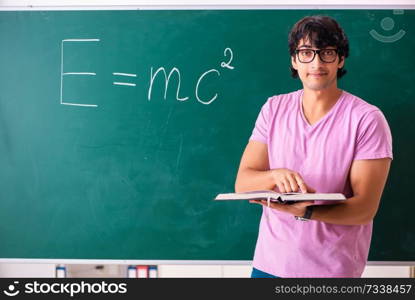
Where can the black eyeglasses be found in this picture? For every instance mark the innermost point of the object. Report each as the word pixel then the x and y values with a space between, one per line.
pixel 307 55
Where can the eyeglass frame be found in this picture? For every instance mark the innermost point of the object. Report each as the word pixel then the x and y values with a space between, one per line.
pixel 297 51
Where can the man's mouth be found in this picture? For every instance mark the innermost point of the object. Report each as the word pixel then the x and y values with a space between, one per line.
pixel 317 74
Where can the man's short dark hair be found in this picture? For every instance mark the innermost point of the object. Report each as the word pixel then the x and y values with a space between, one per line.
pixel 321 31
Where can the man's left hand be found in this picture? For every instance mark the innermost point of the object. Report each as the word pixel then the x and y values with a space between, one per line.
pixel 296 209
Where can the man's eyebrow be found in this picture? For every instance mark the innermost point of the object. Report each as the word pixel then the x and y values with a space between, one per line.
pixel 305 46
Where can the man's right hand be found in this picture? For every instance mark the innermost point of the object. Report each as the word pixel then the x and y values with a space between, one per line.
pixel 254 173
pixel 288 181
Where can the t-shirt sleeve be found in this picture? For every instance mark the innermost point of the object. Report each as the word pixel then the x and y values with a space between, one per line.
pixel 260 131
pixel 374 138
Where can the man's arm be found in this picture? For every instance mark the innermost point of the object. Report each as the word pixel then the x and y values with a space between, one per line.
pixel 254 173
pixel 367 179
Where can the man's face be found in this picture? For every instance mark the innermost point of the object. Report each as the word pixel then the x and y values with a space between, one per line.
pixel 317 74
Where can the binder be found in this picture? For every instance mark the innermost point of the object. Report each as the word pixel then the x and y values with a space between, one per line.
pixel 60 271
pixel 131 272
pixel 142 271
pixel 152 272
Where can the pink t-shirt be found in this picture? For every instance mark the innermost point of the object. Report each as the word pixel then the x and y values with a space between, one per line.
pixel 323 154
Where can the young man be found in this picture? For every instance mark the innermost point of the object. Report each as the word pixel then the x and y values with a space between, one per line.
pixel 318 139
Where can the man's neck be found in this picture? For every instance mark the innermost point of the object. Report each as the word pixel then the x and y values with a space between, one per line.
pixel 320 101
pixel 317 103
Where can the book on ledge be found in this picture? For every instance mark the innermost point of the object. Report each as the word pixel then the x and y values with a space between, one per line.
pixel 281 197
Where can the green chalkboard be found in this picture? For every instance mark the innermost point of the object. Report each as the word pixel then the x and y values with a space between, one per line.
pixel 100 161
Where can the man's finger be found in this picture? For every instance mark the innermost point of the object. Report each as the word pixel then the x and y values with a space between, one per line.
pixel 301 183
pixel 293 183
pixel 308 203
pixel 281 187
pixel 287 185
pixel 310 189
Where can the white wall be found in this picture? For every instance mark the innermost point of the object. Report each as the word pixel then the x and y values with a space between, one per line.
pixel 169 271
pixel 48 270
pixel 206 2
pixel 27 270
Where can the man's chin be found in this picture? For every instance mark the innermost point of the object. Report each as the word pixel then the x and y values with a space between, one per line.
pixel 317 87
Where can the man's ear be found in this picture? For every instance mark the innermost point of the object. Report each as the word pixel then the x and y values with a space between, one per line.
pixel 293 62
pixel 341 63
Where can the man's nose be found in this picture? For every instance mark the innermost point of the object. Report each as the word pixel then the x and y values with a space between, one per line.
pixel 317 62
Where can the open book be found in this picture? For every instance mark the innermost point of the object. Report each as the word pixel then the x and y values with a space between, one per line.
pixel 281 197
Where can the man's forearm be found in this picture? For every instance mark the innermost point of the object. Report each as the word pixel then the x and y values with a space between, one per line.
pixel 251 180
pixel 346 213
